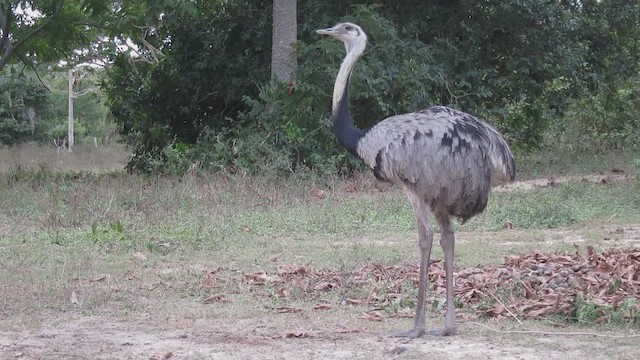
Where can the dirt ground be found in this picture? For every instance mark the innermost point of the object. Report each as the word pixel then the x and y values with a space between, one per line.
pixel 188 329
pixel 297 336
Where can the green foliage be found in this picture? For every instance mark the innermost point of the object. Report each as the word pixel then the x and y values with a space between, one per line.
pixel 201 96
pixel 587 312
pixel 607 120
pixel 48 30
pixel 44 175
pixel 288 126
pixel 21 99
pixel 29 111
pixel 92 117
pixel 210 63
pixel 12 131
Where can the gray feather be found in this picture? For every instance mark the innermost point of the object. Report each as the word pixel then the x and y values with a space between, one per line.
pixel 449 157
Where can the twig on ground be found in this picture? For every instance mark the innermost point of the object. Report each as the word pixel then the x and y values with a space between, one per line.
pixel 553 333
pixel 108 206
pixel 506 308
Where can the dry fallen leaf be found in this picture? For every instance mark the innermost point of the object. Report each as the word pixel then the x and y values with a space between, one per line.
pixel 287 309
pixel 322 307
pixel 604 269
pixel 398 350
pixel 139 256
pixel 318 193
pixel 496 311
pixel 214 298
pixel 353 301
pixel 261 278
pixel 371 316
pixel 298 335
pixel 541 284
pixel 323 286
pixel 74 298
pixel 98 279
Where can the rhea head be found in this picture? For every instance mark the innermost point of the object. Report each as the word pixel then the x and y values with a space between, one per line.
pixel 354 39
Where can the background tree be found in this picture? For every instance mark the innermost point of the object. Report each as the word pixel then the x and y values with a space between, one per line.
pixel 41 36
pixel 31 111
pixel 46 30
pixel 92 118
pixel 285 31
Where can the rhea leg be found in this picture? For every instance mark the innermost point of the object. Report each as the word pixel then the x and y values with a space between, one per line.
pixel 447 242
pixel 425 242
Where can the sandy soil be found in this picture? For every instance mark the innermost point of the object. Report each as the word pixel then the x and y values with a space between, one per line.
pixel 101 337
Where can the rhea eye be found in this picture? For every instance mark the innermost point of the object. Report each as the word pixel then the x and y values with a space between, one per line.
pixel 348 28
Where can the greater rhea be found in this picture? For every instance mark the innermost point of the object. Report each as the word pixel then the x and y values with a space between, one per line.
pixel 445 160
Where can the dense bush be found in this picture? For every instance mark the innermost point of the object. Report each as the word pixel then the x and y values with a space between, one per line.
pixel 529 66
pixel 607 120
pixel 214 58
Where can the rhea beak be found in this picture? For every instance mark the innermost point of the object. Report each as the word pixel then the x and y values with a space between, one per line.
pixel 327 31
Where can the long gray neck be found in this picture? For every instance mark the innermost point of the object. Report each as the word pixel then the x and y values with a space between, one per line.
pixel 347 133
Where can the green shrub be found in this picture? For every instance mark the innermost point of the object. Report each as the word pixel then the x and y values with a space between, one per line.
pixel 13 131
pixel 605 121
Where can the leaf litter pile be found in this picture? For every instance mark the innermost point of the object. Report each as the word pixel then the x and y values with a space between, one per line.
pixel 530 285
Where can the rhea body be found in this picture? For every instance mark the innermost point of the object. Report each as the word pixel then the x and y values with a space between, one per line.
pixel 445 160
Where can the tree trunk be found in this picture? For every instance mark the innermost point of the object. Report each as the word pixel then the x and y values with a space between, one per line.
pixel 70 140
pixel 30 113
pixel 285 30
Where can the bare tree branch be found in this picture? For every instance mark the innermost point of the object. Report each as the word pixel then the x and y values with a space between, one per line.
pixel 29 63
pixel 40 27
pixel 10 49
pixel 84 92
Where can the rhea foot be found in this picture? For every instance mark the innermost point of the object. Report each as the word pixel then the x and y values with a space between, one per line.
pixel 446 331
pixel 410 334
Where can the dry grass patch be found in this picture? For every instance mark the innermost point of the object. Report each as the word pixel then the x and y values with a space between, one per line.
pixel 83 158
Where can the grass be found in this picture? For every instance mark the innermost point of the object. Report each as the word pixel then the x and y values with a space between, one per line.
pixel 550 163
pixel 127 245
pixel 83 158
pixel 566 205
pixel 135 212
pixel 247 221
